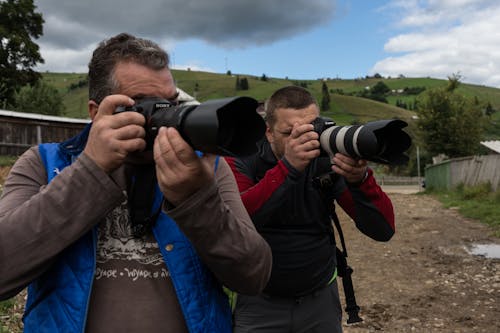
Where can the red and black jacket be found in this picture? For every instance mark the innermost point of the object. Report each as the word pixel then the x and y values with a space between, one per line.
pixel 290 213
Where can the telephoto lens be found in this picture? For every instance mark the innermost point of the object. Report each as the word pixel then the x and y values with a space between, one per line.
pixel 381 141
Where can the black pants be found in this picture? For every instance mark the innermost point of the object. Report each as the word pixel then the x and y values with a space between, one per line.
pixel 319 312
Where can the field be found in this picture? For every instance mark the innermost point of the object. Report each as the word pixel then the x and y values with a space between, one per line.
pixel 344 109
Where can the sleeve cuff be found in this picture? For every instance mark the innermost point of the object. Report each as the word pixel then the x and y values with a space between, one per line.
pixel 357 184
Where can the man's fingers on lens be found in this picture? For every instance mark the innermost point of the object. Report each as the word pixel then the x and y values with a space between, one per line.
pixel 343 159
pixel 343 162
pixel 300 130
pixel 162 147
pixel 130 132
pixel 308 137
pixel 111 102
pixel 307 154
pixel 181 148
pixel 311 154
pixel 133 145
pixel 311 145
pixel 127 118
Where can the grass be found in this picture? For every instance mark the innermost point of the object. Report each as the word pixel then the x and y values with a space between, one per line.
pixel 344 109
pixel 476 202
pixel 7 307
pixel 10 316
pixel 7 160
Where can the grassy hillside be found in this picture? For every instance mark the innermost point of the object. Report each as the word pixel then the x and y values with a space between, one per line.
pixel 344 109
pixel 75 100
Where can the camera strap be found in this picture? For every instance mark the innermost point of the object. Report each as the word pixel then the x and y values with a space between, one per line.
pixel 141 200
pixel 345 272
pixel 323 183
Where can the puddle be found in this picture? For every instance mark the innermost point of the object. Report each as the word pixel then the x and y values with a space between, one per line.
pixel 486 250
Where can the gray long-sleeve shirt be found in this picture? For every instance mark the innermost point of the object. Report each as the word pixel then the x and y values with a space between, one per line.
pixel 131 289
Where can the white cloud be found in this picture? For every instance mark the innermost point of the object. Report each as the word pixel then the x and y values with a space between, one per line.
pixel 65 60
pixel 446 37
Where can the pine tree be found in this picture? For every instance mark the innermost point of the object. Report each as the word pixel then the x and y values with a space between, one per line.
pixel 325 97
pixel 244 84
pixel 238 83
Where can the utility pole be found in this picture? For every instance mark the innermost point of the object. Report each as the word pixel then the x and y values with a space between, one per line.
pixel 418 168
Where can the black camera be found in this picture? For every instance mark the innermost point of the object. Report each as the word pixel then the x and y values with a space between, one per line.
pixel 228 126
pixel 381 141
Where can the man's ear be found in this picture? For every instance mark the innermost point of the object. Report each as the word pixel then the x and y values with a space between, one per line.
pixel 92 108
pixel 269 135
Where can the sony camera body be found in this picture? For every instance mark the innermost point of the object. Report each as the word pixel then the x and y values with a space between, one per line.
pixel 228 126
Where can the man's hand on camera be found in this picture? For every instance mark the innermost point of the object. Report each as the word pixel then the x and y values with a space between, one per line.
pixel 113 136
pixel 179 170
pixel 354 171
pixel 302 146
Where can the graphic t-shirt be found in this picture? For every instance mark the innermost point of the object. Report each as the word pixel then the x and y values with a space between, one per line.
pixel 130 274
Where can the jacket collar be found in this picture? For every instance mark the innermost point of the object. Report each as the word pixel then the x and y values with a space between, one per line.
pixel 75 145
pixel 266 152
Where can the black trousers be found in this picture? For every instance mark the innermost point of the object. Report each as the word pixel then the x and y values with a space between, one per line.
pixel 319 312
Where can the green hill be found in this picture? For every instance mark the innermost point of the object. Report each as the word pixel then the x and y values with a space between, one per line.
pixel 345 107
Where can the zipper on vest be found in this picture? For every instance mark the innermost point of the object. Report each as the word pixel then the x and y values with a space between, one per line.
pixel 94 251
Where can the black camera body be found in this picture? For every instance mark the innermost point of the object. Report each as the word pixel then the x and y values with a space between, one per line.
pixel 381 141
pixel 227 127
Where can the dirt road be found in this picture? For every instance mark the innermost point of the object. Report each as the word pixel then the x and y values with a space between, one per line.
pixel 424 279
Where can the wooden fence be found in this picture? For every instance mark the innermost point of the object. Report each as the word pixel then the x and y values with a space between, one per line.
pixel 470 171
pixel 19 131
pixel 397 180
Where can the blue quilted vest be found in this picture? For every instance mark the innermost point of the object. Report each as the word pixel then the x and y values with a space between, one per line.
pixel 58 300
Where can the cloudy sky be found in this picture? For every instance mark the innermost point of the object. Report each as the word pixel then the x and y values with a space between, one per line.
pixel 298 39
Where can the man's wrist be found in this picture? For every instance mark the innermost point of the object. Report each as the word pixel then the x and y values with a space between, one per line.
pixel 358 183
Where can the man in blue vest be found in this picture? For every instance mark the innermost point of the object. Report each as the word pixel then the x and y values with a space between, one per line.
pixel 98 257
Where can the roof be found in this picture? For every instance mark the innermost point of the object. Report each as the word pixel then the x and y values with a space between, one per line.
pixel 493 145
pixel 42 117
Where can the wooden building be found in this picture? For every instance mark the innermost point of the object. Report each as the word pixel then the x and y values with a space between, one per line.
pixel 19 131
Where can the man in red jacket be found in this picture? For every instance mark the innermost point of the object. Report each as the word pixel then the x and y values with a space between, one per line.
pixel 278 188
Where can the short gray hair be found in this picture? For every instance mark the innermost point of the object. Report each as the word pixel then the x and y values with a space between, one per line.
pixel 122 47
